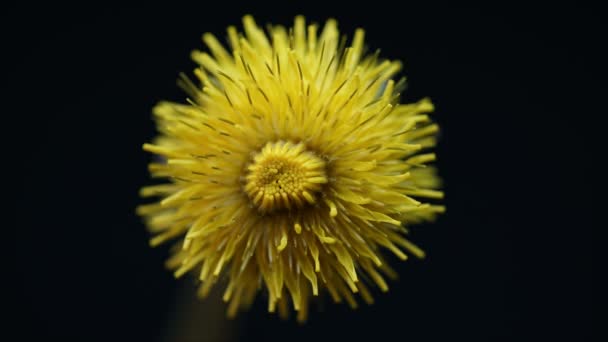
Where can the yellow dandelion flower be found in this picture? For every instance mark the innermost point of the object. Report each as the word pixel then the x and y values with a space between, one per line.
pixel 291 168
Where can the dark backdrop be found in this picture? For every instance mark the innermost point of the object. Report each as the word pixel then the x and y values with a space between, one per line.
pixel 517 96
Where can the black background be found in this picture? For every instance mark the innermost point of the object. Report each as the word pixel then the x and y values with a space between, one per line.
pixel 517 93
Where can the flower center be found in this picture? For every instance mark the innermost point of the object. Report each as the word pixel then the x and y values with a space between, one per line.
pixel 284 175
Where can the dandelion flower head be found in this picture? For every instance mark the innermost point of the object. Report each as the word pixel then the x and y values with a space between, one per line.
pixel 291 169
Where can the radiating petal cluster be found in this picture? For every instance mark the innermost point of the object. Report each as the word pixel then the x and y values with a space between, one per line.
pixel 291 168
